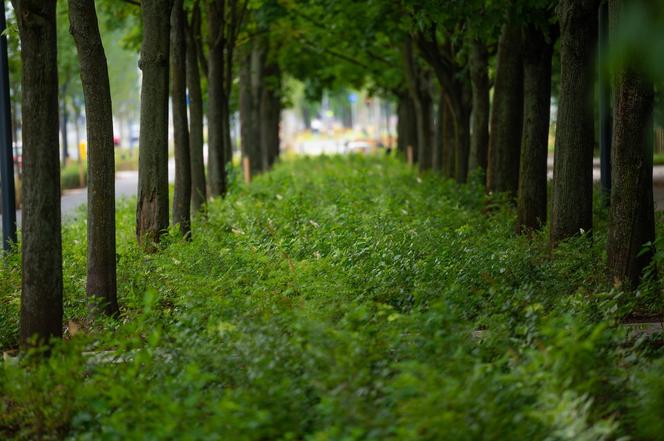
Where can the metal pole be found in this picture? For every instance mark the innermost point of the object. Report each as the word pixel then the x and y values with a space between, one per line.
pixel 6 157
pixel 605 114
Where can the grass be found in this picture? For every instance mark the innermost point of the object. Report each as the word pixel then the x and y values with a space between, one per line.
pixel 340 299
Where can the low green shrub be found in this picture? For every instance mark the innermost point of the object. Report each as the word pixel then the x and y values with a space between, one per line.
pixel 341 298
pixel 70 176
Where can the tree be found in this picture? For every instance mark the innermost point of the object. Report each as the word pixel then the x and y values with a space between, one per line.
pixel 538 40
pixel 507 112
pixel 41 295
pixel 101 281
pixel 182 190
pixel 270 109
pixel 573 161
pixel 198 190
pixel 419 87
pixel 406 124
pixel 631 214
pixel 251 89
pixel 479 78
pixel 224 18
pixel 152 207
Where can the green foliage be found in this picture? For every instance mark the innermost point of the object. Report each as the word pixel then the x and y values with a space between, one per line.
pixel 340 299
pixel 70 175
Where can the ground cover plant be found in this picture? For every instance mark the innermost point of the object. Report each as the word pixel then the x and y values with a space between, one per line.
pixel 343 298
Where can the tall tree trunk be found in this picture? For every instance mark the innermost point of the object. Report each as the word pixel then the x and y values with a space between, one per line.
pixel 532 200
pixel 407 125
pixel 250 90
pixel 101 282
pixel 575 137
pixel 198 190
pixel 270 112
pixel 217 110
pixel 462 133
pixel 425 129
pixel 41 296
pixel 506 114
pixel 182 188
pixel 439 141
pixel 449 160
pixel 152 208
pixel 419 86
pixel 631 214
pixel 479 77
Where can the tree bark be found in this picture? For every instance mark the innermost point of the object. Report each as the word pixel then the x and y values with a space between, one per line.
pixel 198 190
pixel 439 141
pixel 575 137
pixel 270 111
pixel 182 188
pixel 407 125
pixel 425 129
pixel 152 208
pixel 101 282
pixel 631 214
pixel 419 86
pixel 41 295
pixel 462 132
pixel 250 90
pixel 449 161
pixel 217 108
pixel 506 114
pixel 532 200
pixel 479 77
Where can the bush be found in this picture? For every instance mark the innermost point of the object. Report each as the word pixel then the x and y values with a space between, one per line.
pixel 340 298
pixel 70 176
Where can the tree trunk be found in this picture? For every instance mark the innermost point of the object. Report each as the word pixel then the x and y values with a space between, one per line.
pixel 506 114
pixel 479 77
pixel 101 283
pixel 631 214
pixel 407 125
pixel 532 200
pixel 250 88
pixel 462 133
pixel 439 138
pixel 449 161
pixel 575 137
pixel 270 112
pixel 419 86
pixel 217 109
pixel 182 187
pixel 152 208
pixel 198 191
pixel 41 296
pixel 425 132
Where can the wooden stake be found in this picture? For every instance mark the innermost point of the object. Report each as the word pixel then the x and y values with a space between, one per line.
pixel 246 169
pixel 409 154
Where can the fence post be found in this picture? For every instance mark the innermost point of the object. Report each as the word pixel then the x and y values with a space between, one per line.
pixel 246 169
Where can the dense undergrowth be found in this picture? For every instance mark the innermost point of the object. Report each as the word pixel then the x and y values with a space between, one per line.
pixel 343 299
